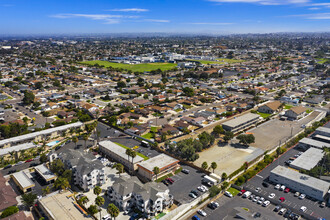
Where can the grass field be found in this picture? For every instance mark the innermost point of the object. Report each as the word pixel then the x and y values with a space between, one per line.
pixel 147 136
pixel 233 191
pixel 323 60
pixel 264 115
pixel 288 106
pixel 141 155
pixel 133 67
pixel 219 61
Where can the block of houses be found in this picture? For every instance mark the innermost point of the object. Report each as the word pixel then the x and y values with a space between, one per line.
pixel 296 112
pixel 168 129
pixel 270 108
pixel 7 194
pixel 151 198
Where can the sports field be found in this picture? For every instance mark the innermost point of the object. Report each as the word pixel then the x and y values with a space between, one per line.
pixel 133 67
pixel 219 61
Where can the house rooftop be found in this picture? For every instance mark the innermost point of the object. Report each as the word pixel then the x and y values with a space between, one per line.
pixel 309 159
pixel 162 161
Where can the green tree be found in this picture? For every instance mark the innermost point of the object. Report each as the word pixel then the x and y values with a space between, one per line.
pixel 224 176
pixel 113 210
pixel 120 168
pixel 75 140
pixel 9 211
pixel 28 98
pixel 67 174
pixel 99 201
pixel 121 84
pixel 214 190
pixel 85 137
pixel 246 139
pixel 61 183
pixel 83 200
pixel 214 166
pixel 156 171
pixel 43 158
pixel 57 167
pixel 97 190
pixel 28 199
pixel 205 165
pixel 228 136
pixel 46 190
pixel 188 91
pixel 92 209
pixel 217 130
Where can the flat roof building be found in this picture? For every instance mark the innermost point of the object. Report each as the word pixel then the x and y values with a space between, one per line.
pixel 308 142
pixel 38 136
pixel 47 175
pixel 118 154
pixel 241 123
pixel 5 151
pixel 61 206
pixel 302 183
pixel 323 131
pixel 165 163
pixel 23 181
pixel 308 159
pixel 322 138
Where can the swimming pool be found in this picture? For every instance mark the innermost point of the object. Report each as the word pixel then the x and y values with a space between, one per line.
pixel 50 144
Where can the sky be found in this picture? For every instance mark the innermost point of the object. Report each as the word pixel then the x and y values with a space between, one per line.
pixel 166 16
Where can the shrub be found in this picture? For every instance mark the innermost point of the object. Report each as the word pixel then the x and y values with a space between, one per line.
pixel 9 211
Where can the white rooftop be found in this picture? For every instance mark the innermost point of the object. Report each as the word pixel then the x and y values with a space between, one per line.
pixel 4 151
pixel 309 159
pixel 23 179
pixel 314 143
pixel 120 151
pixel 241 120
pixel 301 178
pixel 161 161
pixel 45 172
pixel 38 133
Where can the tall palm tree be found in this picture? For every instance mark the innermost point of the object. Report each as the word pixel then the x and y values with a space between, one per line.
pixel 113 210
pixel 128 153
pixel 83 200
pixel 99 201
pixel 120 168
pixel 156 171
pixel 85 137
pixel 214 166
pixel 133 155
pixel 75 140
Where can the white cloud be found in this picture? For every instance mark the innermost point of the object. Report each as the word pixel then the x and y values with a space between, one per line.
pixel 318 16
pixel 109 19
pixel 326 5
pixel 314 8
pixel 264 2
pixel 157 20
pixel 130 10
pixel 210 23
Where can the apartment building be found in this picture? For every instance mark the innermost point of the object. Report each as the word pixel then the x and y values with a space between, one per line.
pixel 241 123
pixel 129 193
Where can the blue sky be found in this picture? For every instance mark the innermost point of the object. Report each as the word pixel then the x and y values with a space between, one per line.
pixel 170 16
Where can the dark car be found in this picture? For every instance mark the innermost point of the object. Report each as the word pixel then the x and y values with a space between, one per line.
pixel 265 184
pixel 11 171
pixel 8 166
pixel 195 217
pixel 277 208
pixel 165 182
pixel 194 192
pixel 287 214
pixel 185 171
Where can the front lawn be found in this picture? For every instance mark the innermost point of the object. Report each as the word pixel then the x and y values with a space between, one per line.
pixel 154 129
pixel 233 191
pixel 309 111
pixel 288 106
pixel 264 115
pixel 148 135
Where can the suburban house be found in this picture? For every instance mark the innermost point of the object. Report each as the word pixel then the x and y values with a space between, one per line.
pixel 7 194
pixel 295 112
pixel 270 108
pixel 128 193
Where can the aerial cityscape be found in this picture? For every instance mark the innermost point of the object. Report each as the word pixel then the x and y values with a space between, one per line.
pixel 199 109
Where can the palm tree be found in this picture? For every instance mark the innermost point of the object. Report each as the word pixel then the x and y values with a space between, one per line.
pixel 46 190
pixel 128 153
pixel 214 166
pixel 156 171
pixel 97 190
pixel 204 165
pixel 85 137
pixel 61 183
pixel 75 140
pixel 83 200
pixel 133 155
pixel 99 201
pixel 120 168
pixel 113 210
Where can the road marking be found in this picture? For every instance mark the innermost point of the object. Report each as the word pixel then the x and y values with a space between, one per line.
pixel 259 176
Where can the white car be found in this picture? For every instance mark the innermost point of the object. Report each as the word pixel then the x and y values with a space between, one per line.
pixel 201 188
pixel 271 196
pixel 303 208
pixel 302 196
pixel 228 194
pixel 282 188
pixel 192 195
pixel 278 186
pixel 266 203
pixel 256 199
pixel 261 200
pixel 201 212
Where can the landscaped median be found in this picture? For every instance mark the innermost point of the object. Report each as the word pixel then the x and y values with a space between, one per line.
pixel 141 155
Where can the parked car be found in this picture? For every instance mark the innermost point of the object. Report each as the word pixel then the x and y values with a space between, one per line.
pixel 297 194
pixel 228 194
pixel 287 214
pixel 322 205
pixel 185 171
pixel 277 208
pixel 201 188
pixel 261 200
pixel 192 195
pixel 201 212
pixel 246 194
pixel 303 208
pixel 241 192
pixel 257 189
pixel 19 163
pixel 282 211
pixel 29 160
pixel 282 199
pixel 252 197
pixel 194 192
pixel 266 203
pixel 165 182
pixel 265 184
pixel 256 199
pixel 195 217
pixel 8 166
pixel 169 180
pixel 282 187
pixel 213 205
pixel 271 196
pixel 278 186
pixel 302 196
pixel 287 190
pixel 11 171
